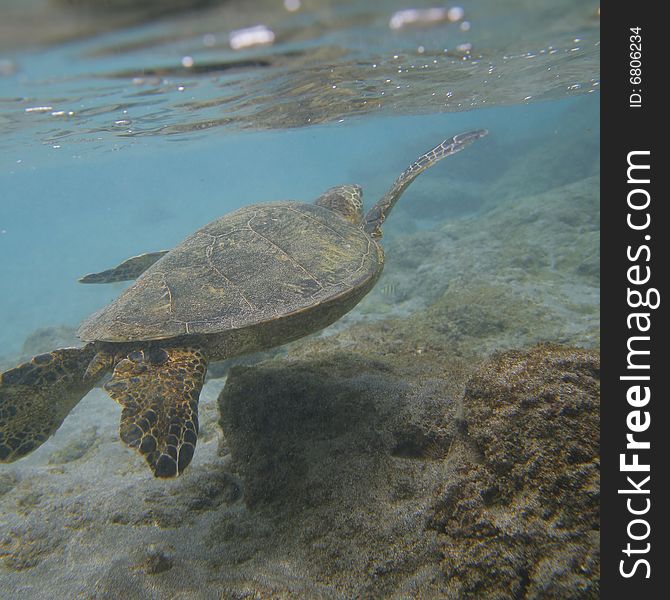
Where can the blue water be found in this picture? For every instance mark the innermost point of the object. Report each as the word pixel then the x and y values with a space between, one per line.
pixel 65 214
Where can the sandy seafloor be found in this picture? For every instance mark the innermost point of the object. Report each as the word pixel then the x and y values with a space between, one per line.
pixel 439 441
pixel 348 464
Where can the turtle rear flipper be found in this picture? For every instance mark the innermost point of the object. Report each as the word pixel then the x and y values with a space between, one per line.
pixel 158 389
pixel 129 269
pixel 35 397
pixel 378 213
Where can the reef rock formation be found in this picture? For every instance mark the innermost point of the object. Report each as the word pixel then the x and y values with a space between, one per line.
pixel 379 485
pixel 523 521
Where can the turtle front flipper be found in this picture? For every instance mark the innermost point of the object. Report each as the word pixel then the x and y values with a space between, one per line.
pixel 35 397
pixel 158 389
pixel 129 269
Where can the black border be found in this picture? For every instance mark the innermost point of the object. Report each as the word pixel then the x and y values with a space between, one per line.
pixel 624 129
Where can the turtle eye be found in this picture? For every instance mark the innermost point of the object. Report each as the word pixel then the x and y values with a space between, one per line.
pixel 136 356
pixel 157 356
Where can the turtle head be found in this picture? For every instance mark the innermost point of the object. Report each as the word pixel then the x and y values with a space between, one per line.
pixel 346 200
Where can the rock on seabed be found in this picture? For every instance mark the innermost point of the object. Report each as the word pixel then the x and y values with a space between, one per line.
pixel 380 486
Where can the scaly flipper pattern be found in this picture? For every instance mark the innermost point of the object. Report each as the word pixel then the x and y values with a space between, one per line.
pixel 346 200
pixel 129 269
pixel 378 213
pixel 36 396
pixel 158 389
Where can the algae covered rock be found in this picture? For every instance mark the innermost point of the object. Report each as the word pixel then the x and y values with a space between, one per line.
pixel 42 339
pixel 339 454
pixel 45 339
pixel 381 481
pixel 331 428
pixel 524 522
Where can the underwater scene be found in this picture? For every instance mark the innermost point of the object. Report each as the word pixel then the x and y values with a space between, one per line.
pixel 242 357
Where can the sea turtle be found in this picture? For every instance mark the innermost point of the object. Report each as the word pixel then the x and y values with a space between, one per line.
pixel 256 278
